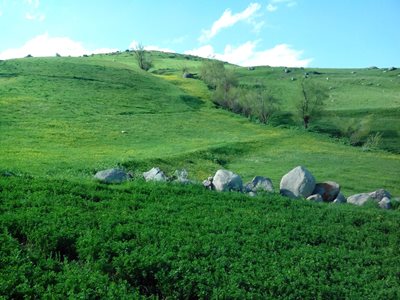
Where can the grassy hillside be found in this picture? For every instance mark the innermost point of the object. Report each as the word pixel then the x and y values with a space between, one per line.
pixel 355 95
pixel 64 235
pixel 90 241
pixel 65 117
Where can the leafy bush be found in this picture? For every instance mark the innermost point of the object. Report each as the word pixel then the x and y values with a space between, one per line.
pixel 63 239
pixel 373 141
pixel 356 130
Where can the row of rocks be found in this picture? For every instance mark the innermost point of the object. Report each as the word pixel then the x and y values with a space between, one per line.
pixel 298 183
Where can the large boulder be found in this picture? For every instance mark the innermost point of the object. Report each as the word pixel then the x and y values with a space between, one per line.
pixel 155 174
pixel 329 190
pixel 359 199
pixel 225 180
pixel 112 176
pixel 299 182
pixel 260 183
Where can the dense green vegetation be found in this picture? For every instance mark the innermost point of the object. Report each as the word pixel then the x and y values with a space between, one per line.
pixel 64 235
pixel 90 240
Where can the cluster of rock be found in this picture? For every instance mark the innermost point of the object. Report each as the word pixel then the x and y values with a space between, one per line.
pixel 298 183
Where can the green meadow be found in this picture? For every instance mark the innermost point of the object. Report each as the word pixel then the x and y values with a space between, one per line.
pixel 62 119
pixel 68 117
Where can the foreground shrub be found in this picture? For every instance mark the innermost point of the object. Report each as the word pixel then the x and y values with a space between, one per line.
pixel 63 239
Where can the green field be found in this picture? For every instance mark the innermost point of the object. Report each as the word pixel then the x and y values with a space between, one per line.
pixel 63 118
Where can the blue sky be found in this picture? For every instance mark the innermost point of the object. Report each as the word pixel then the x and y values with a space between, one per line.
pixel 309 33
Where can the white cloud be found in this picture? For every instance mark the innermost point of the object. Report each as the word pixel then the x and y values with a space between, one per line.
pixel 44 45
pixel 178 40
pixel 33 13
pixel 274 4
pixel 271 7
pixel 34 3
pixel 247 55
pixel 35 17
pixel 227 20
pixel 134 44
pixel 206 51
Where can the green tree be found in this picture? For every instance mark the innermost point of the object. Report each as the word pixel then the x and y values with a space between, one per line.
pixel 142 57
pixel 311 105
pixel 265 104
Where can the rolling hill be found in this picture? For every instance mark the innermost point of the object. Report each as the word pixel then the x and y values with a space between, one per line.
pixel 62 234
pixel 67 117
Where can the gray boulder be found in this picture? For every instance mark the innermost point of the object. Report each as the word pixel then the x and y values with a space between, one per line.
pixel 259 183
pixel 378 195
pixel 329 190
pixel 359 199
pixel 385 203
pixel 340 198
pixel 299 182
pixel 315 198
pixel 155 174
pixel 225 180
pixel 112 176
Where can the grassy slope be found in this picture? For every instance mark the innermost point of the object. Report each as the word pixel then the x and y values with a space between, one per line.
pixel 353 94
pixel 64 117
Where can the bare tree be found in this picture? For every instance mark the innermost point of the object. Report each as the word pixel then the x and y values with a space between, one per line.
pixel 142 57
pixel 311 104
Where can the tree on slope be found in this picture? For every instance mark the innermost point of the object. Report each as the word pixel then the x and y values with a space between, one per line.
pixel 311 104
pixel 142 58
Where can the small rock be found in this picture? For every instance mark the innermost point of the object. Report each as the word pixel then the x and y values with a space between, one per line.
pixel 385 203
pixel 315 198
pixel 208 184
pixel 260 183
pixel 252 194
pixel 340 198
pixel 182 176
pixel 155 174
pixel 378 195
pixel 187 75
pixel 112 176
pixel 299 182
pixel 328 190
pixel 225 180
pixel 359 199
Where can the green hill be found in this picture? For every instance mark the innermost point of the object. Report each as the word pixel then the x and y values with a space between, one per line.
pixel 64 235
pixel 65 117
